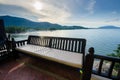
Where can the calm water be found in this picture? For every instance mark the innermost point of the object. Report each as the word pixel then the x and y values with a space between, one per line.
pixel 103 40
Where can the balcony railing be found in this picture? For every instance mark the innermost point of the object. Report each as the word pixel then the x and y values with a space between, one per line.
pixel 105 66
pixel 99 68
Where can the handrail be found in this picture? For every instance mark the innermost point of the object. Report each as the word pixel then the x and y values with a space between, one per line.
pixel 112 61
pixel 110 58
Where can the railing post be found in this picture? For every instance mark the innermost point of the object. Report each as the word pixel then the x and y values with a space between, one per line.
pixel 13 44
pixel 2 29
pixel 15 54
pixel 87 67
pixel 118 76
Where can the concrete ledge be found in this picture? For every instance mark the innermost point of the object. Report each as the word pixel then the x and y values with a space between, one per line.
pixel 96 77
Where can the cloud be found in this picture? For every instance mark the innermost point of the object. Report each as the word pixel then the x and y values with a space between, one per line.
pixel 65 12
pixel 113 20
pixel 17 11
pixel 88 23
pixel 112 16
pixel 53 10
pixel 72 12
pixel 91 6
pixel 114 12
pixel 93 24
pixel 61 10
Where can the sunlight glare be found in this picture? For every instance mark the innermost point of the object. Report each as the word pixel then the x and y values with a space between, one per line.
pixel 37 5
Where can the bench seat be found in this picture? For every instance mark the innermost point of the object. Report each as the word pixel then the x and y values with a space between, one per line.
pixel 65 57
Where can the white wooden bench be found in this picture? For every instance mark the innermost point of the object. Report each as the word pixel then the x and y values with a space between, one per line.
pixel 67 51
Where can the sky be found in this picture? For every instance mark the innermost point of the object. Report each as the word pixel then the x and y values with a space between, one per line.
pixel 87 13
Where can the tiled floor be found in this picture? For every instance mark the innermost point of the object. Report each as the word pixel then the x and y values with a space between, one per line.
pixel 20 69
pixel 27 68
pixel 15 70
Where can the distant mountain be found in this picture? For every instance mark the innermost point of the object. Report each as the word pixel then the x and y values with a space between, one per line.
pixel 109 27
pixel 22 22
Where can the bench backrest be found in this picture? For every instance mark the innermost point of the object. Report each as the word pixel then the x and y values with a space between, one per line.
pixel 39 40
pixel 67 44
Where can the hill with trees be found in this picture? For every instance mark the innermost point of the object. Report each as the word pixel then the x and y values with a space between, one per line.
pixel 17 24
pixel 109 27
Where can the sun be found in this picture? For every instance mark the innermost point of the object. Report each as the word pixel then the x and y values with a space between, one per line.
pixel 37 5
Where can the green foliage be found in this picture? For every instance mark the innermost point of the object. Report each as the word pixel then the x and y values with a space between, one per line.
pixel 14 29
pixel 116 54
pixel 52 29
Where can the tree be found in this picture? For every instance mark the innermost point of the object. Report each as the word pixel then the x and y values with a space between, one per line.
pixel 116 54
pixel 14 29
